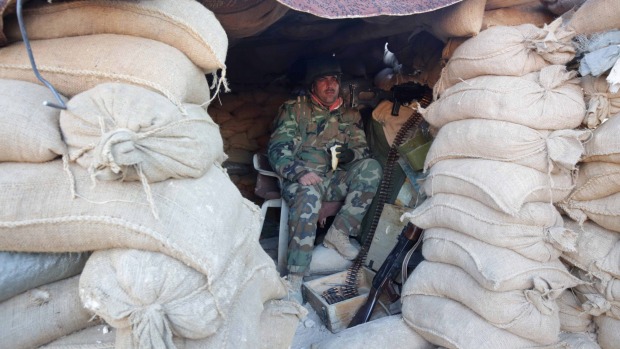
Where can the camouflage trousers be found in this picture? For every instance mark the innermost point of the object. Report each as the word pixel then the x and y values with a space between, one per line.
pixel 356 186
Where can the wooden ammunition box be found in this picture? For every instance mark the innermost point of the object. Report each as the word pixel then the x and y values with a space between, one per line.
pixel 337 316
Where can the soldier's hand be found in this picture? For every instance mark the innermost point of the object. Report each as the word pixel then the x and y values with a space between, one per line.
pixel 309 178
pixel 345 154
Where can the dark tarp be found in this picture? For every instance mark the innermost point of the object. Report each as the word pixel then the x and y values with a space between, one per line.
pixel 365 8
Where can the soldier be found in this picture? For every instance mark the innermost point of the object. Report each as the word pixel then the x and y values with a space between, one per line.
pixel 299 151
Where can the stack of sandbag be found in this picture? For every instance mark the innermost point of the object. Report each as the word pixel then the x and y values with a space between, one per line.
pixel 80 44
pixel 141 169
pixel 505 151
pixel 245 120
pixel 601 103
pixel 595 208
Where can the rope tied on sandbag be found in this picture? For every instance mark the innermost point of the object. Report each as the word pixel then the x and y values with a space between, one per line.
pixel 562 238
pixel 543 295
pixel 150 328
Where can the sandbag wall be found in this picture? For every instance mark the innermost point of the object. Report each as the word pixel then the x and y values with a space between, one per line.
pixel 131 171
pixel 505 152
pixel 245 119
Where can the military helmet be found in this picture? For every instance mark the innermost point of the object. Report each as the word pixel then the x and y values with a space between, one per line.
pixel 321 66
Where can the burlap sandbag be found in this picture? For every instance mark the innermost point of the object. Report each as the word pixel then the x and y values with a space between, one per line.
pixel 462 19
pixel 30 131
pixel 201 221
pixel 120 131
pixel 42 314
pixel 579 340
pixel 531 313
pixel 596 180
pixel 494 268
pixel 536 232
pixel 560 7
pixel 76 64
pixel 604 211
pixel 451 325
pixel 605 143
pixel 601 103
pixel 183 24
pixel 376 334
pixel 500 185
pixel 572 316
pixel 504 50
pixel 157 296
pixel 608 335
pixel 607 289
pixel 597 250
pixel 532 12
pixel 596 16
pixel 245 18
pixel 547 100
pixel 545 151
pixel 94 337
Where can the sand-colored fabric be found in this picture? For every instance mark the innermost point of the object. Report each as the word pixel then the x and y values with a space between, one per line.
pixel 531 313
pixel 545 151
pixel 125 132
pixel 604 211
pixel 376 334
pixel 245 18
pixel 94 337
pixel 494 268
pixel 183 24
pixel 560 7
pixel 605 143
pixel 596 16
pixel 30 130
pixel 391 124
pixel 201 221
pixel 76 64
pixel 462 19
pixel 157 297
pixel 532 12
pixel 601 103
pixel 448 323
pixel 42 314
pixel 597 251
pixel 598 296
pixel 596 180
pixel 536 232
pixel 278 323
pixel 500 185
pixel 550 99
pixel 579 340
pixel 572 316
pixel 507 50
pixel 607 332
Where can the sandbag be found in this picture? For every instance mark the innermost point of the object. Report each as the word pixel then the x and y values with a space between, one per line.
pixel 547 100
pixel 607 332
pixel 203 222
pixel 595 16
pixel 495 268
pixel 451 325
pixel 531 313
pixel 507 50
pixel 72 69
pixel 605 143
pixel 536 232
pixel 596 180
pixel 157 297
pixel 30 131
pixel 183 24
pixel 560 7
pixel 579 340
pixel 500 185
pixel 603 211
pixel 601 104
pixel 572 316
pixel 597 250
pixel 42 315
pixel 119 131
pixel 530 12
pixel 462 19
pixel 376 334
pixel 20 272
pixel 545 151
pixel 245 18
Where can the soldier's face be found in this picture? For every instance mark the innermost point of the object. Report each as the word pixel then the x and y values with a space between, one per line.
pixel 326 89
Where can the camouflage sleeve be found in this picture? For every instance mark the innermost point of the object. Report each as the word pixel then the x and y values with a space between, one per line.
pixel 357 137
pixel 281 149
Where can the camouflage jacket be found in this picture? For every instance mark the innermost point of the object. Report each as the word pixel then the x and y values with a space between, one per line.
pixel 304 131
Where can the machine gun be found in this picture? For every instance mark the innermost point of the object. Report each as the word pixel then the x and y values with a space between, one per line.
pixel 360 93
pixel 408 239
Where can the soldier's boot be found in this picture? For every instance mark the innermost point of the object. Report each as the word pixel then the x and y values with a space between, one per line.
pixel 339 241
pixel 295 280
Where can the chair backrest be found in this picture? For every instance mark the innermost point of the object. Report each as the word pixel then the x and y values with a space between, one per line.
pixel 267 181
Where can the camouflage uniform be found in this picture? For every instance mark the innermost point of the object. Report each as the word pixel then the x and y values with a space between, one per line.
pixel 303 133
